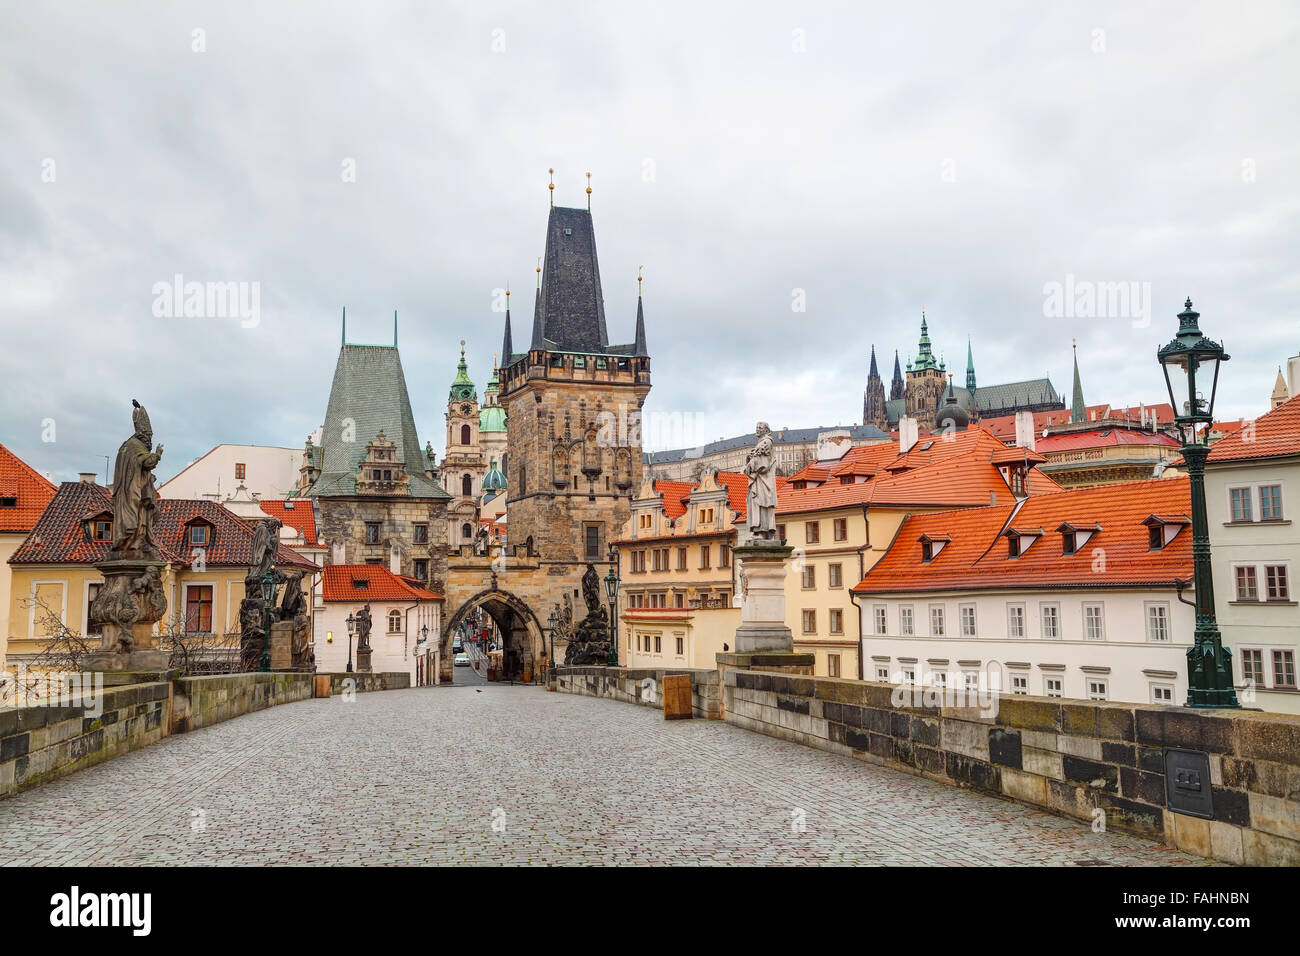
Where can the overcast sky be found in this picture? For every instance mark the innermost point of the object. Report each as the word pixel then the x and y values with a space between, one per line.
pixel 751 156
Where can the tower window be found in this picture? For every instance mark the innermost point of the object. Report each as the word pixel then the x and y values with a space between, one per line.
pixel 466 532
pixel 464 434
pixel 466 485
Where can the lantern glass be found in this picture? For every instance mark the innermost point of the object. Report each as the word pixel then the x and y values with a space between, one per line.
pixel 268 588
pixel 352 624
pixel 611 586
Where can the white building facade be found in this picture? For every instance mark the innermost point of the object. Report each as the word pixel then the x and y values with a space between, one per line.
pixel 1252 489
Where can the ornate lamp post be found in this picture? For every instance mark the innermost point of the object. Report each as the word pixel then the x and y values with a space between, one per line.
pixel 420 646
pixel 268 599
pixel 1191 364
pixel 352 627
pixel 611 591
pixel 551 657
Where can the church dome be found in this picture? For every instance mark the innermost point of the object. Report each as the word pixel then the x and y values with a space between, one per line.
pixel 951 416
pixel 491 418
pixel 494 480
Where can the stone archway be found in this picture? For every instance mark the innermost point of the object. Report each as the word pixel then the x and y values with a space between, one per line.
pixel 523 639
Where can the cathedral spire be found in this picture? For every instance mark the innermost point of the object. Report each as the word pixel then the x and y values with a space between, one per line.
pixel 640 350
pixel 507 346
pixel 1078 411
pixel 873 372
pixel 897 388
pixel 873 399
pixel 970 367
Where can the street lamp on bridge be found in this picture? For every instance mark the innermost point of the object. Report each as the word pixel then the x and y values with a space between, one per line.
pixel 611 591
pixel 1191 363
pixel 352 627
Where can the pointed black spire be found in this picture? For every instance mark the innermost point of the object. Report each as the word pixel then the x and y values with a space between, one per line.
pixel 874 372
pixel 507 345
pixel 571 310
pixel 897 389
pixel 640 350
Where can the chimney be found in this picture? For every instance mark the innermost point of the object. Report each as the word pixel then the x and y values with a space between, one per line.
pixel 86 477
pixel 1025 430
pixel 909 433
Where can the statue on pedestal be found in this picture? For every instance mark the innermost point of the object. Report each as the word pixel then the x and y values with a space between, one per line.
pixel 132 598
pixel 293 608
pixel 135 499
pixel 760 500
pixel 590 644
pixel 252 610
pixel 363 639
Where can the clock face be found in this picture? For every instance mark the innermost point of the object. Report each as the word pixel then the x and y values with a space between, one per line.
pixel 464 409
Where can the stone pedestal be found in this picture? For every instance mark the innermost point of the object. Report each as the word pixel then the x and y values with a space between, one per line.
pixel 363 660
pixel 131 601
pixel 762 613
pixel 282 645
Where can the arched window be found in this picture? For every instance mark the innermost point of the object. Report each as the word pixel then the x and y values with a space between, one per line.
pixel 394 622
pixel 466 532
pixel 464 434
pixel 466 485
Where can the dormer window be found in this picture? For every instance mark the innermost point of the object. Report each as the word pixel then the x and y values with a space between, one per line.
pixel 931 545
pixel 360 584
pixel 102 530
pixel 1018 542
pixel 9 501
pixel 1074 537
pixel 1163 529
pixel 200 535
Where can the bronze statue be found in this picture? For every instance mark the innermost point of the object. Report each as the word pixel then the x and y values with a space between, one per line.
pixel 266 542
pixel 363 628
pixel 590 643
pixel 135 499
pixel 292 603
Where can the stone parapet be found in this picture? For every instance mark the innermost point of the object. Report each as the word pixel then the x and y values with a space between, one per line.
pixel 1095 761
pixel 644 686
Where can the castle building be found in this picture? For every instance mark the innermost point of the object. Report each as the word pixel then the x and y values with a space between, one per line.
pixel 377 496
pixel 922 394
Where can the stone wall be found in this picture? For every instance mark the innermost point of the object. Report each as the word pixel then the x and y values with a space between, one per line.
pixel 343 521
pixel 629 685
pixel 210 699
pixel 43 743
pixel 1070 757
pixel 365 683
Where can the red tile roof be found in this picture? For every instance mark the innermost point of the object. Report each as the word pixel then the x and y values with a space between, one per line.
pixel 357 583
pixel 676 493
pixel 1275 434
pixel 956 470
pixel 32 491
pixel 1103 437
pixel 296 513
pixel 977 557
pixel 59 538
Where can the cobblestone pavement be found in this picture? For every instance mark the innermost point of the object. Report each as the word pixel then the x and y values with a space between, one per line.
pixel 517 775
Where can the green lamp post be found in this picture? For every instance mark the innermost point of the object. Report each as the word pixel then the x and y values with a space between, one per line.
pixel 611 591
pixel 1191 366
pixel 268 599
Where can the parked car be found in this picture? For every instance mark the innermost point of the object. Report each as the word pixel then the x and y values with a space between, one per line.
pixel 462 660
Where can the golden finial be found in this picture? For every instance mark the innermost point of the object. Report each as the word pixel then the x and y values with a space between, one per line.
pixel 539 272
pixel 551 187
pixel 462 348
pixel 588 192
pixel 638 281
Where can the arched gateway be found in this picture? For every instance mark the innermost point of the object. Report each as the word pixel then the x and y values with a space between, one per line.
pixel 523 648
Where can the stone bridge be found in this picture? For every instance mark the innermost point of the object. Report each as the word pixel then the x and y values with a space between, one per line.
pixel 519 775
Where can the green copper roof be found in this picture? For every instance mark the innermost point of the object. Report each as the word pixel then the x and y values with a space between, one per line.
pixel 491 418
pixel 368 395
pixel 494 480
pixel 462 389
pixel 1078 410
pixel 924 358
